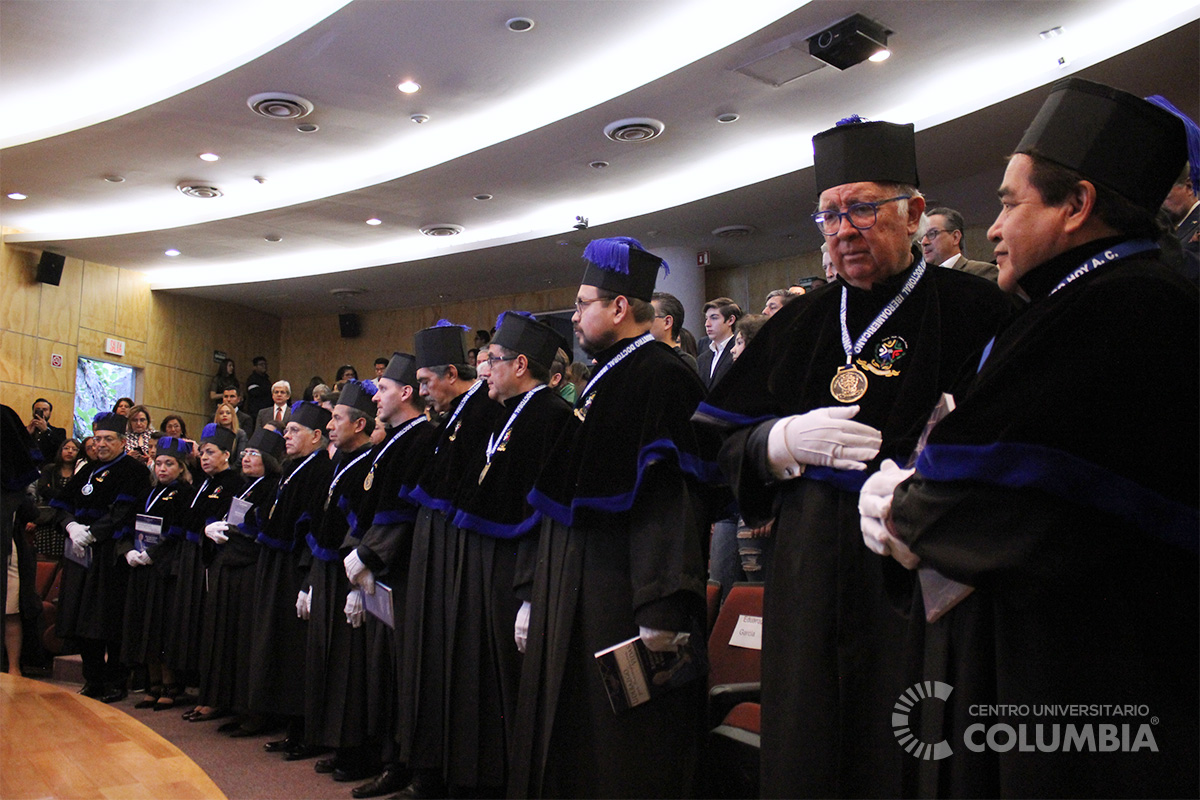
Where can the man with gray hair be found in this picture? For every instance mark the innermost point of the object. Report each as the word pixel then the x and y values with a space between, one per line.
pixel 838 379
pixel 943 244
pixel 279 413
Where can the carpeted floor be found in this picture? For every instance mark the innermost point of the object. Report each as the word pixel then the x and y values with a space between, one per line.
pixel 240 767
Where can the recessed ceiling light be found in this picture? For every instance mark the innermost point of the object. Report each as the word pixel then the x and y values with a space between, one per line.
pixel 409 87
pixel 519 24
pixel 307 127
pixel 273 238
pixel 484 196
pixel 17 196
pixel 419 118
pixel 209 157
pixel 882 55
pixel 1053 33
pixel 598 164
pixel 725 119
pixel 172 252
pixel 374 221
pixel 114 178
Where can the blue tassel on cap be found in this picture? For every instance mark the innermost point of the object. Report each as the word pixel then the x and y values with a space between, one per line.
pixel 101 415
pixel 209 430
pixel 613 254
pixel 445 323
pixel 524 314
pixel 853 119
pixel 368 387
pixel 1193 139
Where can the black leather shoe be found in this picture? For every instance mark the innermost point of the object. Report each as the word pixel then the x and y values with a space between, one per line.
pixel 423 787
pixel 92 690
pixel 325 766
pixel 281 745
pixel 114 695
pixel 393 778
pixel 353 773
pixel 304 752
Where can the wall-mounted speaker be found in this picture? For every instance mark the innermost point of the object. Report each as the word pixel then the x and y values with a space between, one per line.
pixel 50 268
pixel 350 325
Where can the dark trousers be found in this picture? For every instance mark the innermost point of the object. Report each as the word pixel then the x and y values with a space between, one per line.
pixel 101 661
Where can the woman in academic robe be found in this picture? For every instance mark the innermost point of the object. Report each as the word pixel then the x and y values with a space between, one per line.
pixel 220 485
pixel 226 634
pixel 153 557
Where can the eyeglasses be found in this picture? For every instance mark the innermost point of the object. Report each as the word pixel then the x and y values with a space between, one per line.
pixel 860 215
pixel 932 234
pixel 249 451
pixel 492 360
pixel 580 305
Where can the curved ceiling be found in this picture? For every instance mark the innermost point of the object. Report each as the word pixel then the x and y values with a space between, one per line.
pixel 517 117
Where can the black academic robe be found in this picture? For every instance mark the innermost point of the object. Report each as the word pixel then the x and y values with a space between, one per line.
pixel 92 599
pixel 622 546
pixel 150 594
pixel 495 521
pixel 1064 488
pixel 211 503
pixel 334 716
pixel 278 644
pixel 433 565
pixel 839 640
pixel 383 541
pixel 228 618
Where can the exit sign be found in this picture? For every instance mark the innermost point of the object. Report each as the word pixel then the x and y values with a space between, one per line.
pixel 115 347
pixel 702 258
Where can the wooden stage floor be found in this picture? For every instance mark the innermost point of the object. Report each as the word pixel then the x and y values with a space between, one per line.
pixel 58 744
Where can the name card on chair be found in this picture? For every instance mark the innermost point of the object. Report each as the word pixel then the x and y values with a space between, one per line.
pixel 747 633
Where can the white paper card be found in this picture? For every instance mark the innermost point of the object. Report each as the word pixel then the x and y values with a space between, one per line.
pixel 237 511
pixel 747 633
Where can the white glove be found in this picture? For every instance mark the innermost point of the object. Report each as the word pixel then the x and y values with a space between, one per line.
pixel 303 604
pixel 354 608
pixel 824 437
pixel 358 573
pixel 131 558
pixel 662 641
pixel 874 505
pixel 216 531
pixel 81 535
pixel 521 630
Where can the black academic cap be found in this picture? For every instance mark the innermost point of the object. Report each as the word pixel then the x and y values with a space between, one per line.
pixel 442 344
pixel 521 333
pixel 857 151
pixel 623 266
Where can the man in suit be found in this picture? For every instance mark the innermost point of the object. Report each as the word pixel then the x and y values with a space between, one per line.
pixel 47 437
pixel 720 320
pixel 943 245
pixel 668 324
pixel 232 398
pixel 279 413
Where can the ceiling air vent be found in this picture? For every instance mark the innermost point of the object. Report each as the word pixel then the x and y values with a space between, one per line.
pixel 199 190
pixel 442 230
pixel 279 105
pixel 733 231
pixel 641 129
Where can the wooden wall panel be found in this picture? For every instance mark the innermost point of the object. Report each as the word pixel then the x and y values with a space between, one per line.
pixel 58 314
pixel 133 305
pixel 98 305
pixel 18 357
pixel 19 300
pixel 58 379
pixel 91 345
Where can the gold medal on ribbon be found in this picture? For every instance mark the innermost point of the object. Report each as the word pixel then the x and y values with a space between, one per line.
pixel 483 472
pixel 848 385
pixel 369 480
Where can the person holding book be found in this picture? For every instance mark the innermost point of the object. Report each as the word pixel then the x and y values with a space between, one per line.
pixel 153 557
pixel 96 509
pixel 836 380
pixel 621 554
pixel 1064 486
